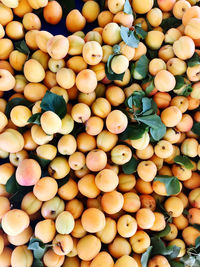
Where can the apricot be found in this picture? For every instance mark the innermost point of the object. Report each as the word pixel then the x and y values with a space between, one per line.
pixel 52 12
pixel 96 160
pixel 112 202
pixel 5 257
pixel 116 121
pixel 156 65
pixel 159 223
pixel 158 260
pixel 57 47
pixel 88 247
pixel 59 167
pixel 80 112
pixel 22 238
pixel 7 81
pixel 11 141
pixel 45 230
pixel 174 206
pixel 180 8
pixel 30 204
pixel 101 107
pixel 181 172
pixel 142 8
pixel 154 39
pixel 147 170
pixel 102 258
pixel 30 38
pixel 39 136
pixel 52 208
pixel 21 256
pixel 108 233
pixel 50 258
pixel 77 161
pixel 75 21
pixel 15 222
pixel 194 197
pixel 93 220
pixel 33 71
pixel 145 218
pixel 189 147
pixel 126 226
pixel 189 235
pixel 62 244
pixel 73 261
pixel 193 182
pixel 164 81
pixel 140 241
pixel 90 11
pixel 154 17
pixel 67 124
pixel 86 81
pixel 31 21
pixel 28 172
pixel 119 247
pixel 186 45
pixel 45 188
pixel 181 222
pixel 111 29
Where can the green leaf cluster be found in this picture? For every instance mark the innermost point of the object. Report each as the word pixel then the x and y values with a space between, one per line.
pixel 145 115
pixel 132 37
pixel 196 128
pixel 39 249
pixel 22 47
pixel 158 248
pixel 192 257
pixel 169 23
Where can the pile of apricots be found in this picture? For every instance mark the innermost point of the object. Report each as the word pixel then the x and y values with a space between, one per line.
pixel 99 134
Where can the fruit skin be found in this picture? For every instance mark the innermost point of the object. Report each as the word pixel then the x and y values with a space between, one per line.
pixel 7 81
pixel 57 47
pixel 11 141
pixel 28 172
pixel 21 257
pixel 15 222
pixel 158 260
pixel 189 235
pixel 52 12
pixel 88 247
pixel 33 71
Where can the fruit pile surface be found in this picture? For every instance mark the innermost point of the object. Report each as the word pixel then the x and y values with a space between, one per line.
pixel 99 133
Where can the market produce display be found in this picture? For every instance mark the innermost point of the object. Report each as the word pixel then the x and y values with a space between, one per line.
pixel 99 133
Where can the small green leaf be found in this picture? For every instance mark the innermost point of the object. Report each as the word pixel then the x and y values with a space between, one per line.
pixel 158 246
pixel 145 257
pixel 128 8
pixel 116 49
pixel 38 247
pixel 176 264
pixel 133 132
pixel 152 121
pixel 152 53
pixel 194 60
pixel 131 166
pixel 63 181
pixel 140 32
pixel 169 22
pixel 172 252
pixel 16 102
pixel 197 242
pixel 129 37
pixel 171 183
pixel 55 103
pixel 164 232
pixel 196 128
pixel 149 88
pixel 158 133
pixel 147 104
pixel 196 226
pixel 179 82
pixel 22 47
pixel 35 118
pixel 110 74
pixel 141 68
pixel 12 186
pixel 184 161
